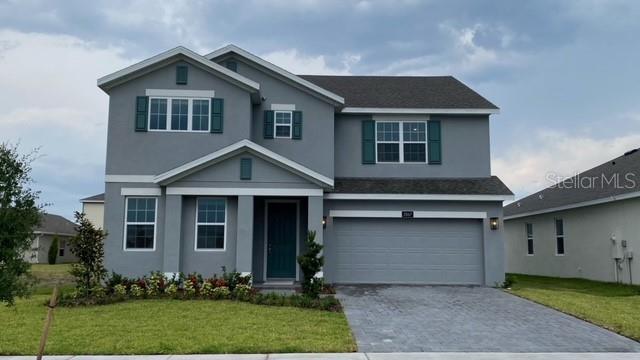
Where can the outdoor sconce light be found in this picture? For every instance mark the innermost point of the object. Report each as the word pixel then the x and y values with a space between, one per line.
pixel 493 223
pixel 324 222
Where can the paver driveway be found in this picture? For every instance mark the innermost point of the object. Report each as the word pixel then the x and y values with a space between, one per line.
pixel 458 318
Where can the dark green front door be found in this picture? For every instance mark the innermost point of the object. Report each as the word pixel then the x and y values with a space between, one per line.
pixel 281 239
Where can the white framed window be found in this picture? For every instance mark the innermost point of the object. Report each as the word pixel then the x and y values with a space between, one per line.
pixel 61 247
pixel 282 124
pixel 140 223
pixel 179 114
pixel 529 231
pixel 401 141
pixel 211 224
pixel 559 237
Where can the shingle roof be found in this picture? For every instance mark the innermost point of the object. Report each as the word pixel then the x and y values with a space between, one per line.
pixel 450 186
pixel 578 189
pixel 56 224
pixel 94 198
pixel 432 92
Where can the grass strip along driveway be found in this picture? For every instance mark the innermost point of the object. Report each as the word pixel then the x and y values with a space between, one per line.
pixel 612 306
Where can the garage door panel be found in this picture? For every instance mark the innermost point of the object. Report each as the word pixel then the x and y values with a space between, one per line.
pixel 421 251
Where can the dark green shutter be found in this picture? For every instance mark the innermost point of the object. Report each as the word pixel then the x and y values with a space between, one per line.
pixel 368 142
pixel 297 125
pixel 434 138
pixel 232 65
pixel 268 124
pixel 217 115
pixel 181 74
pixel 245 169
pixel 142 109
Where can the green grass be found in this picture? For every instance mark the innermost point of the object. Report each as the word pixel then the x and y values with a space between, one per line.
pixel 50 275
pixel 172 327
pixel 613 306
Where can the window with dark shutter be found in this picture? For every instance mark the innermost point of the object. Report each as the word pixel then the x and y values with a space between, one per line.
pixel 368 142
pixel 217 115
pixel 142 108
pixel 434 142
pixel 297 125
pixel 268 124
pixel 181 74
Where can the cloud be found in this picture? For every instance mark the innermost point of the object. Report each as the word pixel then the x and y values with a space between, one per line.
pixel 525 167
pixel 49 100
pixel 297 63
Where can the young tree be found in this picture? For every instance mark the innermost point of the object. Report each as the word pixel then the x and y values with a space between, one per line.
pixel 88 246
pixel 19 215
pixel 52 256
pixel 311 263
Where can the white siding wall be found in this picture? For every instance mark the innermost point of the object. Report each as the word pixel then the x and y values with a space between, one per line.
pixel 588 247
pixel 95 213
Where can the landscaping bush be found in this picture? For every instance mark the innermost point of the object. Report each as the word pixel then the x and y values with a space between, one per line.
pixel 52 255
pixel 310 264
pixel 88 247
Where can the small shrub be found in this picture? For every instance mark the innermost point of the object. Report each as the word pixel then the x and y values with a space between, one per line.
pixel 207 289
pixel 120 290
pixel 137 291
pixel 242 292
pixel 171 289
pixel 52 256
pixel 221 292
pixel 98 292
pixel 311 263
pixel 508 282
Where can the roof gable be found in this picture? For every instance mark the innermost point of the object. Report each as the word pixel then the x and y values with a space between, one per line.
pixel 56 225
pixel 323 93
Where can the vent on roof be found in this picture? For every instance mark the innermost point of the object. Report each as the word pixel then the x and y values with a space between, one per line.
pixel 540 196
pixel 630 152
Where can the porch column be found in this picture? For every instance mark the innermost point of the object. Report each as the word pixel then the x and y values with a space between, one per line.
pixel 315 213
pixel 172 231
pixel 244 242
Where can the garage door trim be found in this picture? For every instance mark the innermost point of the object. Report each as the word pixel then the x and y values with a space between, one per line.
pixel 416 214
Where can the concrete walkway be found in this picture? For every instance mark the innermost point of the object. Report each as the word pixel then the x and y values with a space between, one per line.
pixel 357 356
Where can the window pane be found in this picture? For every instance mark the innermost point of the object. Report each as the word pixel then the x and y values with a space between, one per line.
pixel 210 237
pixel 283 118
pixel 530 246
pixel 388 153
pixel 283 131
pixel 529 228
pixel 559 227
pixel 140 236
pixel 200 117
pixel 387 131
pixel 179 114
pixel 413 131
pixel 158 114
pixel 141 210
pixel 415 152
pixel 560 245
pixel 211 211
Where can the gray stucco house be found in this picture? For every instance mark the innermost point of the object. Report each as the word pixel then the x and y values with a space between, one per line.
pixel 585 226
pixel 52 226
pixel 228 160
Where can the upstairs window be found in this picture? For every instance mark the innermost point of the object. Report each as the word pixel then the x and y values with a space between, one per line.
pixel 529 231
pixel 282 124
pixel 179 114
pixel 158 114
pixel 401 141
pixel 200 117
pixel 559 237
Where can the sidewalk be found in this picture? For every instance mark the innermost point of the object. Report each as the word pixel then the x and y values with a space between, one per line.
pixel 355 356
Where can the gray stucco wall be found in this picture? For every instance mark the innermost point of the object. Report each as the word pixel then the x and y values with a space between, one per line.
pixel 587 242
pixel 493 240
pixel 40 254
pixel 153 152
pixel 315 150
pixel 465 148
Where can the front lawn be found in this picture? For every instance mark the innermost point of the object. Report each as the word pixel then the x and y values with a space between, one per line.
pixel 613 306
pixel 50 275
pixel 173 327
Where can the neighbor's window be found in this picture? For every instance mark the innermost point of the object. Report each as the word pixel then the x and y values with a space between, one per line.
pixel 529 230
pixel 61 245
pixel 140 223
pixel 186 114
pixel 283 124
pixel 401 142
pixel 200 117
pixel 559 237
pixel 210 224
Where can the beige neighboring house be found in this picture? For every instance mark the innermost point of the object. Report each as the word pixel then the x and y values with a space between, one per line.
pixel 93 208
pixel 587 226
pixel 52 226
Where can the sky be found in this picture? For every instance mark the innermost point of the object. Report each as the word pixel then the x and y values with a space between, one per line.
pixel 564 73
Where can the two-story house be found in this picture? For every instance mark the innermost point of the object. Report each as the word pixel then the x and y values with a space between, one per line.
pixel 228 160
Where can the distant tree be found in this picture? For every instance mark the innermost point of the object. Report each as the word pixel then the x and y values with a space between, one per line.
pixel 19 215
pixel 53 250
pixel 88 247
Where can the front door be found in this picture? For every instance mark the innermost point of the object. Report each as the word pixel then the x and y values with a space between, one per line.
pixel 281 239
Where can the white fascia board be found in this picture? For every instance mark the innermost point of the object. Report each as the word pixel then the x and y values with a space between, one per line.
pixel 416 214
pixel 443 197
pixel 259 150
pixel 283 107
pixel 92 201
pixel 278 70
pixel 209 191
pixel 180 93
pixel 129 178
pixel 372 110
pixel 180 50
pixel 576 205
pixel 150 191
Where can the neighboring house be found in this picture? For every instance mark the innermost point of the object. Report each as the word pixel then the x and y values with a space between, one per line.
pixel 586 226
pixel 52 226
pixel 228 160
pixel 93 208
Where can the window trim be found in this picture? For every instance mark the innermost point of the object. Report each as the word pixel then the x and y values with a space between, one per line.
pixel 529 237
pixel 126 223
pixel 195 236
pixel 189 114
pixel 62 245
pixel 275 124
pixel 401 142
pixel 558 236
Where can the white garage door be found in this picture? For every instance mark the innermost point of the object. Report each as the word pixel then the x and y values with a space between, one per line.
pixel 408 251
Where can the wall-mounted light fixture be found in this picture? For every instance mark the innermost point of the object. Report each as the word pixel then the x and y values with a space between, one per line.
pixel 324 222
pixel 493 223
